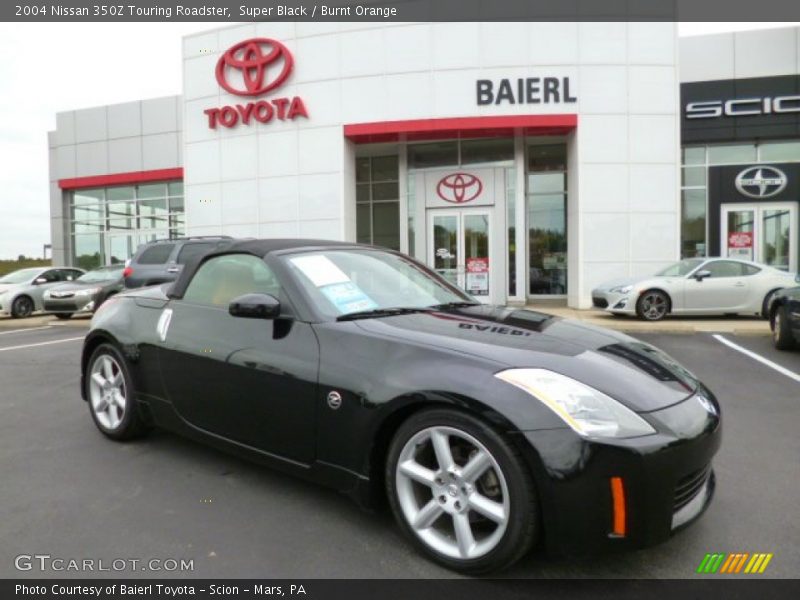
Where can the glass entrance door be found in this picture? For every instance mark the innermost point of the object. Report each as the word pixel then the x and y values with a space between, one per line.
pixel 765 233
pixel 459 249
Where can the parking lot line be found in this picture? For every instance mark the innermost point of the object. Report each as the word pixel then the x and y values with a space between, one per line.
pixel 759 358
pixel 75 339
pixel 26 329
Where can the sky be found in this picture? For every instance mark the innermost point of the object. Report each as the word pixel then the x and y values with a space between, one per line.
pixel 48 68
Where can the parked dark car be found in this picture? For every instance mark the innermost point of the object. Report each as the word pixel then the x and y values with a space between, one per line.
pixel 784 318
pixel 85 294
pixel 488 428
pixel 160 261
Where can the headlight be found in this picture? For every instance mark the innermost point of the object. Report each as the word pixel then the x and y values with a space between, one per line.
pixel 586 410
pixel 622 289
pixel 89 292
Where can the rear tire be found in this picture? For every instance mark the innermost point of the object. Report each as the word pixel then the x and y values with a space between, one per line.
pixel 22 307
pixel 781 330
pixel 653 305
pixel 111 395
pixel 477 515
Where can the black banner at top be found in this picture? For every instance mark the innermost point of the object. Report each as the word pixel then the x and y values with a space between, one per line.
pixel 397 10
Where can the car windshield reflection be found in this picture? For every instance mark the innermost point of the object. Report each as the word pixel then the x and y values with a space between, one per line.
pixel 371 283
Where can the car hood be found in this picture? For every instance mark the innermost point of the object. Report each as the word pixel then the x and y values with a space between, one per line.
pixel 637 374
pixel 608 285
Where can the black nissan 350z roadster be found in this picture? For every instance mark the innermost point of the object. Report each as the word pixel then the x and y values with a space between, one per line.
pixel 488 429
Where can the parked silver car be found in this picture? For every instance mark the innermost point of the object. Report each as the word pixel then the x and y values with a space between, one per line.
pixel 21 291
pixel 695 286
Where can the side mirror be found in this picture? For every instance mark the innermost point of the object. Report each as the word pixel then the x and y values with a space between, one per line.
pixel 700 275
pixel 255 306
pixel 39 281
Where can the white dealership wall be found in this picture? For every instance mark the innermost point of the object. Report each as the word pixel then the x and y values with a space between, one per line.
pixel 739 55
pixel 294 178
pixel 144 135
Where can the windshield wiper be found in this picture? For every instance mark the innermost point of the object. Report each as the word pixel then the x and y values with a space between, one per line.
pixel 454 305
pixel 382 312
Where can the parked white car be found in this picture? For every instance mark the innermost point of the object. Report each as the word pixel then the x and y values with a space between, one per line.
pixel 695 286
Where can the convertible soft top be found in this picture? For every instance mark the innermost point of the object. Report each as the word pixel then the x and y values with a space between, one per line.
pixel 258 248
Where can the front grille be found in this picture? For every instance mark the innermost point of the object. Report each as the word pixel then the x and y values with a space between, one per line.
pixel 60 306
pixel 599 302
pixel 688 487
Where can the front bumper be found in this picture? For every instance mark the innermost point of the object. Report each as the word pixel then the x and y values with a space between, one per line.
pixel 74 304
pixel 667 479
pixel 614 302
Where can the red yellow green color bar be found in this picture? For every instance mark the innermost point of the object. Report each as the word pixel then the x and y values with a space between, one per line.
pixel 735 562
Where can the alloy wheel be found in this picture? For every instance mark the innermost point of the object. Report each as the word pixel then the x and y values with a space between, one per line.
pixel 107 391
pixel 452 492
pixel 776 331
pixel 654 306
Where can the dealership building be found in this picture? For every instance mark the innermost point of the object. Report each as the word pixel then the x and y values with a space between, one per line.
pixel 522 161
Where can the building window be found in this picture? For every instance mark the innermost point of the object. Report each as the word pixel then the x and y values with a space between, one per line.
pixel 547 219
pixel 460 153
pixel 693 199
pixel 108 224
pixel 378 201
pixel 731 154
pixel 779 152
pixel 511 221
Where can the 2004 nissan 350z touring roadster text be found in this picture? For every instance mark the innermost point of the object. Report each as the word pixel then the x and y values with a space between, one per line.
pixel 488 429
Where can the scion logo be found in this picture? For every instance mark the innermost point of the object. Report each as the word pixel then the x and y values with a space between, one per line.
pixel 247 63
pixel 459 188
pixel 743 107
pixel 761 182
pixel 253 68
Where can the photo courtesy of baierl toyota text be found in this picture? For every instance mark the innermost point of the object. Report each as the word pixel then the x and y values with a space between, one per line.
pixel 399 298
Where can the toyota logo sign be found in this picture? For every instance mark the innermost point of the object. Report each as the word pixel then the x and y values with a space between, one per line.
pixel 459 188
pixel 255 67
pixel 761 182
pixel 243 68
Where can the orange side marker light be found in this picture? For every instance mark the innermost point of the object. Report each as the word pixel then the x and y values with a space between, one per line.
pixel 618 497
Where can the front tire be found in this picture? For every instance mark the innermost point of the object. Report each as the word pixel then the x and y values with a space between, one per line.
pixel 461 492
pixel 765 304
pixel 22 307
pixel 781 330
pixel 63 316
pixel 652 305
pixel 111 395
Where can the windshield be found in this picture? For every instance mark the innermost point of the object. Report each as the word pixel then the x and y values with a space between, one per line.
pixel 679 269
pixel 20 276
pixel 341 282
pixel 104 274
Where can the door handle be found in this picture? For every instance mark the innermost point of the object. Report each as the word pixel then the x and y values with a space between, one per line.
pixel 174 270
pixel 738 284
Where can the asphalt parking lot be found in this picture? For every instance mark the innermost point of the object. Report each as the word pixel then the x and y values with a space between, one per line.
pixel 68 492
